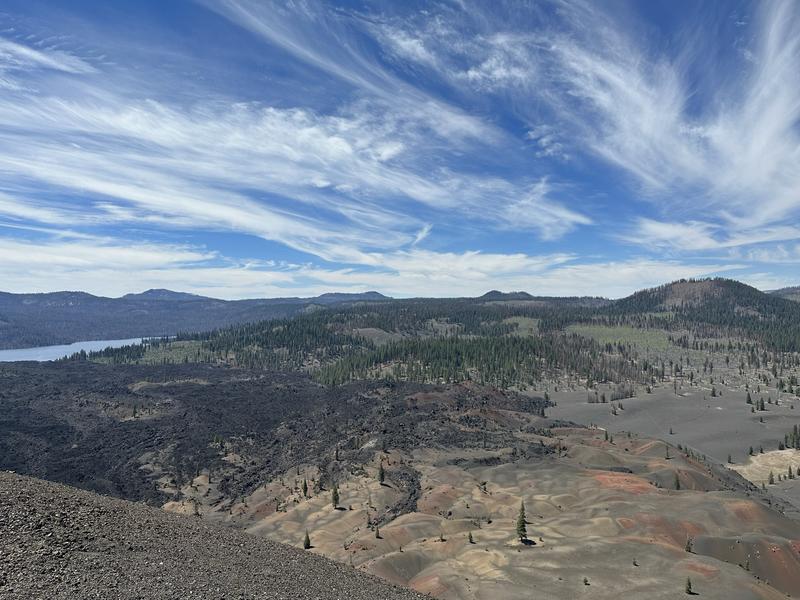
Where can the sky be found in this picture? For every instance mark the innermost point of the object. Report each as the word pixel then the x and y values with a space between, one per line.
pixel 247 148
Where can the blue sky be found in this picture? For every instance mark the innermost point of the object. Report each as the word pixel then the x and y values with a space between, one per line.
pixel 244 148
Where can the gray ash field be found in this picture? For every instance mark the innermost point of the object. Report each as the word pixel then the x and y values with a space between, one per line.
pixel 721 426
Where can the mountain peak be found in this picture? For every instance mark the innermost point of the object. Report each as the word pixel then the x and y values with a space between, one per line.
pixel 162 294
pixel 696 292
pixel 330 297
pixel 495 295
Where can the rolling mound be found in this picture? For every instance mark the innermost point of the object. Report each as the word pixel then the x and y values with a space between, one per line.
pixel 60 542
pixel 634 517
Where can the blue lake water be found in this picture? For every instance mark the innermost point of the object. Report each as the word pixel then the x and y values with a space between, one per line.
pixel 44 353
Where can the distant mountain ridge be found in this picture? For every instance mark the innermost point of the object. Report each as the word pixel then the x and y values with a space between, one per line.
pixel 790 293
pixel 28 320
pixel 163 294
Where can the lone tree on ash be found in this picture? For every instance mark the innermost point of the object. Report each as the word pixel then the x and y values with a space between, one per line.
pixel 522 530
pixel 335 496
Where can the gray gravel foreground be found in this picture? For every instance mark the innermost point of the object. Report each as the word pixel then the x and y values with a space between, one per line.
pixel 58 542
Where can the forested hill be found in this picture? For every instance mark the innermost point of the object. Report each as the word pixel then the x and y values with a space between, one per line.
pixel 28 320
pixel 711 308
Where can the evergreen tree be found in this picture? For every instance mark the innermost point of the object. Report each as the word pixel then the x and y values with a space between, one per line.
pixel 522 530
pixel 306 541
pixel 335 496
pixel 381 473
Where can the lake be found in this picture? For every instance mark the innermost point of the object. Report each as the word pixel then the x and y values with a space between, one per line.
pixel 44 353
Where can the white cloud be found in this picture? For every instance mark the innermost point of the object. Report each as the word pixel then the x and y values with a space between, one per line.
pixel 94 254
pixel 698 235
pixel 18 57
pixel 775 254
pixel 504 63
pixel 406 46
pixel 150 162
pixel 322 37
pixel 538 211
pixel 548 141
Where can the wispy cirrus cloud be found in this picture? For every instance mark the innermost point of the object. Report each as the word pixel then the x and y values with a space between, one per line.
pixel 17 59
pixel 434 151
pixel 588 83
pixel 698 235
pixel 336 185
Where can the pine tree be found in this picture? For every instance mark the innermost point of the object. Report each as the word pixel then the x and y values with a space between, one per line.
pixel 470 539
pixel 306 541
pixel 522 530
pixel 677 482
pixel 335 496
pixel 381 473
pixel 305 488
pixel 771 478
pixel 689 586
